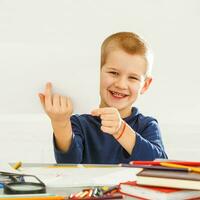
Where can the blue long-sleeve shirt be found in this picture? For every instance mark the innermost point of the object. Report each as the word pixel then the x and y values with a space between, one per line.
pixel 91 145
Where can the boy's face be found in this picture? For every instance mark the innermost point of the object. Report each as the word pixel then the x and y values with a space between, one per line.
pixel 122 80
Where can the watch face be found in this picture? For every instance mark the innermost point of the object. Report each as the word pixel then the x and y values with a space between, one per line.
pixel 25 187
pixel 24 184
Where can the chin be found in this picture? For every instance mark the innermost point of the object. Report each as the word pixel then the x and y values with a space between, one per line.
pixel 117 106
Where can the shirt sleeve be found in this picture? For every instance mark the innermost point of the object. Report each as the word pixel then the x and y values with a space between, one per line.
pixel 75 151
pixel 148 145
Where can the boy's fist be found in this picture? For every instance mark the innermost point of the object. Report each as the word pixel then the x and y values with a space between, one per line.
pixel 111 120
pixel 58 108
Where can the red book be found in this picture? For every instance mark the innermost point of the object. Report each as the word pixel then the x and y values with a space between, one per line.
pixel 132 189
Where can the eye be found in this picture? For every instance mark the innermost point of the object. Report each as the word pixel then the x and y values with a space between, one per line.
pixel 134 78
pixel 113 73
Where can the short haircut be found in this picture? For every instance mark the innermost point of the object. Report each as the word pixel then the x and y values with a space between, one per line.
pixel 131 43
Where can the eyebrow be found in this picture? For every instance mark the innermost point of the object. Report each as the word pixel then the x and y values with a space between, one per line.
pixel 110 68
pixel 132 74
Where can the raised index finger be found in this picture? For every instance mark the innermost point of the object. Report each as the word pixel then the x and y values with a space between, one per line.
pixel 48 94
pixel 100 111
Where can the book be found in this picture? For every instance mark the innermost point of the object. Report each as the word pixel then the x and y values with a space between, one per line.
pixel 132 189
pixel 172 179
pixel 5 168
pixel 158 161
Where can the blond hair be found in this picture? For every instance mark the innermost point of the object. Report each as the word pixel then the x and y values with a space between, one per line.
pixel 131 43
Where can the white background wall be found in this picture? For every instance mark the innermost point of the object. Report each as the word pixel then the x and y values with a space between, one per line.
pixel 59 41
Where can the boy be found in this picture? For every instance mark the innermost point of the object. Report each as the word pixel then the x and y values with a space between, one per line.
pixel 115 132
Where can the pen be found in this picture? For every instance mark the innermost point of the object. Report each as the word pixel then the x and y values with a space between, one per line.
pixel 190 163
pixel 37 198
pixel 155 167
pixel 83 166
pixel 189 169
pixel 17 165
pixel 107 190
pixel 7 196
pixel 102 197
pixel 65 166
pixel 83 195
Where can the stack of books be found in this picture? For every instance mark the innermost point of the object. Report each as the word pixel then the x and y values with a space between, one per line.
pixel 164 180
pixel 156 193
pixel 3 180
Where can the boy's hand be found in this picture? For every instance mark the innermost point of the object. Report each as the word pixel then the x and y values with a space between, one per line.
pixel 111 120
pixel 58 108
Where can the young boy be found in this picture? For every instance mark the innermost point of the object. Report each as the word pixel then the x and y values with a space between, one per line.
pixel 115 132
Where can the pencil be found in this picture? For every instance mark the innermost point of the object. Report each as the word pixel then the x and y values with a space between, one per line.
pixel 83 166
pixel 155 167
pixel 64 166
pixel 189 169
pixel 109 189
pixel 190 163
pixel 37 198
pixel 102 197
pixel 17 165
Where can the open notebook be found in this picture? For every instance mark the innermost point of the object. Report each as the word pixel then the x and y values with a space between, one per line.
pixel 6 168
pixel 82 176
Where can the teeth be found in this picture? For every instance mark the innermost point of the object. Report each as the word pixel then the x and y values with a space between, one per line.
pixel 118 94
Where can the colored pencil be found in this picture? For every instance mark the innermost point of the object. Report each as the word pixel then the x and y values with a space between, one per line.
pixel 102 197
pixel 17 165
pixel 190 169
pixel 189 163
pixel 37 198
pixel 155 167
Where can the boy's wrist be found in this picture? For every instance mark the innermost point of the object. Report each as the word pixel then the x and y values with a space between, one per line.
pixel 120 131
pixel 60 124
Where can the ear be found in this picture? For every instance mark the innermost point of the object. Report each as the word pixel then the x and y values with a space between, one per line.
pixel 147 83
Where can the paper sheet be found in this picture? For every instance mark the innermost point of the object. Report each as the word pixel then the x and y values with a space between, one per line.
pixel 5 167
pixel 82 176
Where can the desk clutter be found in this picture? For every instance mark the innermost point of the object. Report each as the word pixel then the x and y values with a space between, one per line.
pixel 156 180
pixel 133 189
pixel 97 193
pixel 163 180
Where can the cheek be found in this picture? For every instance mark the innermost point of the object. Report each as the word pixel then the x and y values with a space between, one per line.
pixel 135 89
pixel 105 82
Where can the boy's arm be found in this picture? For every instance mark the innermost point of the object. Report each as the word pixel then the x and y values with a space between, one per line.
pixel 59 109
pixel 112 123
pixel 147 144
pixel 75 150
pixel 126 137
pixel 63 134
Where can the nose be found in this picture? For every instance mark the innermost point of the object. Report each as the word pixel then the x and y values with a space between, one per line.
pixel 121 83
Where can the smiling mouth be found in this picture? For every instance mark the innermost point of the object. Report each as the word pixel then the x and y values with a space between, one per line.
pixel 118 95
